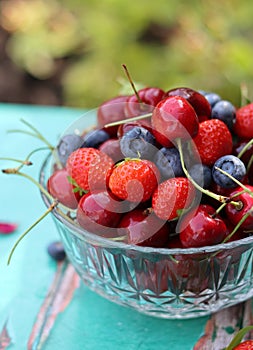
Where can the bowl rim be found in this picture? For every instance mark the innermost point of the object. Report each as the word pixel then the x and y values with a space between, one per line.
pixel 109 243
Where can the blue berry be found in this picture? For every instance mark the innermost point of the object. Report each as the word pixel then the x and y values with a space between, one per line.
pixel 138 142
pixel 68 144
pixel 233 166
pixel 168 162
pixel 225 111
pixel 201 174
pixel 212 98
pixel 56 251
pixel 95 138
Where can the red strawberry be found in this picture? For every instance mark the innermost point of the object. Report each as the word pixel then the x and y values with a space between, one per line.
pixel 89 168
pixel 172 196
pixel 134 180
pixel 213 141
pixel 246 345
pixel 244 122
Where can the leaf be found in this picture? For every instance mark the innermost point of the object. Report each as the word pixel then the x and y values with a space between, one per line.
pixel 239 337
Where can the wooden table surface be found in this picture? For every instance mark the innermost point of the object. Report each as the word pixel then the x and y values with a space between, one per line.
pixel 44 305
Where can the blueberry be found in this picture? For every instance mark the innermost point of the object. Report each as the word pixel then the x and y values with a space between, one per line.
pixel 225 111
pixel 168 162
pixel 201 174
pixel 138 142
pixel 68 144
pixel 95 138
pixel 56 251
pixel 233 166
pixel 212 98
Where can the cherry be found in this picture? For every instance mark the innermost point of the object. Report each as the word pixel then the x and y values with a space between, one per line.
pixel 111 147
pixel 174 118
pixel 98 212
pixel 204 227
pixel 111 111
pixel 200 104
pixel 235 214
pixel 124 128
pixel 144 229
pixel 60 188
pixel 147 98
pixel 239 146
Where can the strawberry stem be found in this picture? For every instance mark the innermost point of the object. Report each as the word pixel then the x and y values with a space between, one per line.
pixel 52 206
pixel 123 121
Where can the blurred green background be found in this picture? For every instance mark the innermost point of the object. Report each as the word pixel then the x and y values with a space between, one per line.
pixel 71 52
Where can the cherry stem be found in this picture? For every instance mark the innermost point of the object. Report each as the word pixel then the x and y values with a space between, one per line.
pixel 52 206
pixel 132 84
pixel 236 181
pixel 123 121
pixel 238 225
pixel 219 198
pixel 245 148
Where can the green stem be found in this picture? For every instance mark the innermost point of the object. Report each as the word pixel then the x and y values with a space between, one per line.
pixel 123 121
pixel 52 206
pixel 219 198
pixel 245 148
pixel 237 226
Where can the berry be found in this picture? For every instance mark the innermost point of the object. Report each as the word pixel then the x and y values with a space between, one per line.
pixel 56 251
pixel 111 147
pixel 134 180
pixel 99 211
pixel 233 166
pixel 212 98
pixel 90 168
pixel 244 122
pixel 245 345
pixel 149 96
pixel 144 229
pixel 168 162
pixel 196 99
pixel 172 197
pixel 201 174
pixel 202 227
pixel 239 146
pixel 111 111
pixel 138 143
pixel 174 118
pixel 213 141
pixel 95 138
pixel 61 189
pixel 68 144
pixel 225 111
pixel 124 128
pixel 235 214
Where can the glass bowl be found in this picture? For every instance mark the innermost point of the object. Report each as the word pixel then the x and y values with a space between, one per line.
pixel 166 283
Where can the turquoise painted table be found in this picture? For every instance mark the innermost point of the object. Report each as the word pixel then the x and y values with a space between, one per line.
pixel 44 305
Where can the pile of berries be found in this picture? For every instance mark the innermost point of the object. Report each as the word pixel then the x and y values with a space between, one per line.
pixel 162 169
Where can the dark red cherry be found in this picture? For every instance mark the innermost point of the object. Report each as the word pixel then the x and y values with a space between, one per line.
pixel 238 147
pixel 235 214
pixel 202 228
pixel 123 128
pixel 60 188
pixel 111 147
pixel 200 104
pixel 144 229
pixel 111 111
pixel 174 118
pixel 149 96
pixel 99 212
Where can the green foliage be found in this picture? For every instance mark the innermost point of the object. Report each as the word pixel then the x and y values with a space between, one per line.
pixel 200 44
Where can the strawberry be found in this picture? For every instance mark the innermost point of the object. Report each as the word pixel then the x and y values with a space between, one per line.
pixel 89 168
pixel 171 197
pixel 246 345
pixel 213 141
pixel 134 180
pixel 244 122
